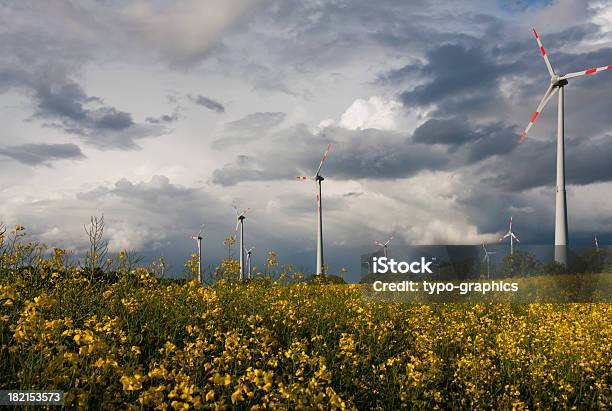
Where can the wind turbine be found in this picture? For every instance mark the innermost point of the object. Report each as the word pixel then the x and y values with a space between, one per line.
pixel 487 258
pixel 240 224
pixel 248 261
pixel 512 237
pixel 384 245
pixel 596 244
pixel 557 83
pixel 318 179
pixel 198 240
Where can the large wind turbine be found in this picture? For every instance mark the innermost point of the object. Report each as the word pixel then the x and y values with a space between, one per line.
pixel 240 224
pixel 557 83
pixel 198 240
pixel 384 245
pixel 318 178
pixel 512 237
pixel 487 258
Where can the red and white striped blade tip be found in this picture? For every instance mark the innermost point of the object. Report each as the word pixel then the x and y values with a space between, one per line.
pixel 326 151
pixel 301 178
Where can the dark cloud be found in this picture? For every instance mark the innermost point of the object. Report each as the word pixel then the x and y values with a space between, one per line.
pixel 459 75
pixel 165 118
pixel 368 153
pixel 533 164
pixel 43 67
pixel 478 141
pixel 207 102
pixel 42 154
pixel 63 104
pixel 157 191
pixel 452 131
pixel 439 144
pixel 249 128
pixel 255 122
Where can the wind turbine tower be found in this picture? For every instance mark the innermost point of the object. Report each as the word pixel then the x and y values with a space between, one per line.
pixel 384 245
pixel 198 240
pixel 558 83
pixel 249 263
pixel 240 217
pixel 512 237
pixel 487 258
pixel 318 178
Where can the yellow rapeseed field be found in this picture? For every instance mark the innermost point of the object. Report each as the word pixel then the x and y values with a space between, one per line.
pixel 132 341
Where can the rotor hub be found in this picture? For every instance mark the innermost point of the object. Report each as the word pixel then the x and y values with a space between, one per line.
pixel 558 81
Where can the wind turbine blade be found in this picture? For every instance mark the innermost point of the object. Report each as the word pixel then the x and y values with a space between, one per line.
pixel 515 237
pixel 504 237
pixel 237 225
pixel 323 160
pixel 201 229
pixel 543 51
pixel 485 248
pixel 584 72
pixel 302 178
pixel 245 211
pixel 547 96
pixel 378 243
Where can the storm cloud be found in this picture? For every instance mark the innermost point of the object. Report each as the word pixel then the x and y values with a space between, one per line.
pixel 42 154
pixel 207 102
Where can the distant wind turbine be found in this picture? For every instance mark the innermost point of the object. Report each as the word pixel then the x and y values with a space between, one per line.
pixel 384 245
pixel 198 240
pixel 487 258
pixel 318 178
pixel 596 244
pixel 557 83
pixel 512 237
pixel 240 217
pixel 248 261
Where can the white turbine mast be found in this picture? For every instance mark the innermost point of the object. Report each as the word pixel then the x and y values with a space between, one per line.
pixel 318 178
pixel 240 217
pixel 249 262
pixel 487 258
pixel 512 236
pixel 198 240
pixel 596 244
pixel 384 245
pixel 558 83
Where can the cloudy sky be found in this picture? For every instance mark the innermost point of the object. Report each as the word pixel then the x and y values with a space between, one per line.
pixel 163 114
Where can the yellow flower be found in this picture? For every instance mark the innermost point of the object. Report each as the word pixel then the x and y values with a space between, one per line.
pixel 133 383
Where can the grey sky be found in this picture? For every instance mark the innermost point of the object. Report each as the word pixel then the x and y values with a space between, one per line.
pixel 162 114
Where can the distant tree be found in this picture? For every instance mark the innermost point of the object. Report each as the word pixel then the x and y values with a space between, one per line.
pixel 521 263
pixel 593 261
pixel 553 268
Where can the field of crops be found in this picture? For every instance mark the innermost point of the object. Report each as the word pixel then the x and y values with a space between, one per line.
pixel 130 339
